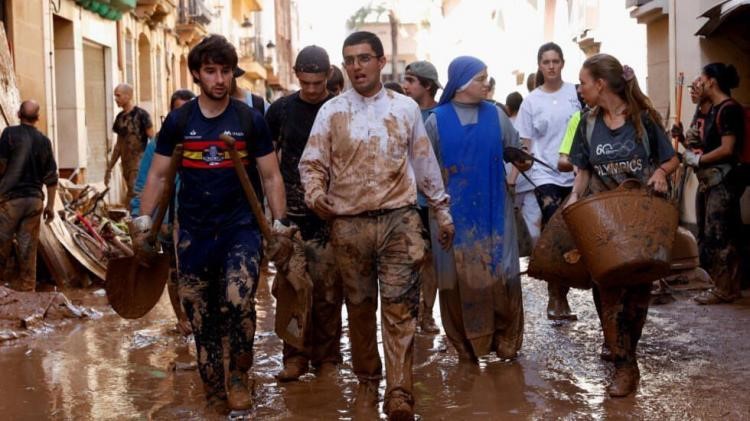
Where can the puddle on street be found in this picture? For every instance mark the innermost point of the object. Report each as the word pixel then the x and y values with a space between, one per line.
pixel 693 365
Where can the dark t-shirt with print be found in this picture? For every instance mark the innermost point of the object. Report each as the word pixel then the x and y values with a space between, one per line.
pixel 211 197
pixel 730 122
pixel 132 127
pixel 290 120
pixel 615 155
pixel 28 162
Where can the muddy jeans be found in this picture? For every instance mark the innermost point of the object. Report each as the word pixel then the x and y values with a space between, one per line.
pixel 324 339
pixel 381 251
pixel 622 314
pixel 718 213
pixel 427 276
pixel 217 284
pixel 130 163
pixel 20 218
pixel 550 197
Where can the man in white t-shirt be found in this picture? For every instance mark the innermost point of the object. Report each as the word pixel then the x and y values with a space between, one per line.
pixel 541 123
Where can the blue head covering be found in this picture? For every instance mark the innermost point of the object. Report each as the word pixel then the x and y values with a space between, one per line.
pixel 460 71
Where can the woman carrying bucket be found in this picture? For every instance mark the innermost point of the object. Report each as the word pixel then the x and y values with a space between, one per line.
pixel 620 138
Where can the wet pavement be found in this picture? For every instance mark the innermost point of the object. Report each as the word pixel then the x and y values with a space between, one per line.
pixel 693 363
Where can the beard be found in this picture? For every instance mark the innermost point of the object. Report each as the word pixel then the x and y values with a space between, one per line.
pixel 210 95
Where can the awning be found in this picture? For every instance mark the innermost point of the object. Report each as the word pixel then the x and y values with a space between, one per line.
pixel 108 9
pixel 720 13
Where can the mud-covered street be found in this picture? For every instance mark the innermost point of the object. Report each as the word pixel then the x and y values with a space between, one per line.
pixel 693 363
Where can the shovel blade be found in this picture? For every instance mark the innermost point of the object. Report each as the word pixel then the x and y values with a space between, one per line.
pixel 133 289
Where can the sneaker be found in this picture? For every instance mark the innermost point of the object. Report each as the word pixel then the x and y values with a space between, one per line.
pixel 624 381
pixel 292 371
pixel 398 408
pixel 238 396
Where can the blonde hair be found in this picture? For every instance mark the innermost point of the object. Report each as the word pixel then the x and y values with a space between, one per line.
pixel 609 69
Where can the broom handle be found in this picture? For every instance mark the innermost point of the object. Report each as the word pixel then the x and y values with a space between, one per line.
pixel 252 199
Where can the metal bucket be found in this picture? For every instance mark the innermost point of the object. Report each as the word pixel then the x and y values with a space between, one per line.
pixel 555 258
pixel 625 235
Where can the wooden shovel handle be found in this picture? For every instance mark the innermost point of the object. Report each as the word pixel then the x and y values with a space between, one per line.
pixel 252 199
pixel 167 193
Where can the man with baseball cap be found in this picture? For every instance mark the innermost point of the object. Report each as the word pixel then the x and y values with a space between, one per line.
pixel 290 119
pixel 421 84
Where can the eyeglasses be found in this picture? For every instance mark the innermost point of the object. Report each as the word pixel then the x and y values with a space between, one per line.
pixel 361 59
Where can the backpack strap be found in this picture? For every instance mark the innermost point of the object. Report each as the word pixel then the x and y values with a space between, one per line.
pixel 245 115
pixel 182 115
pixel 590 118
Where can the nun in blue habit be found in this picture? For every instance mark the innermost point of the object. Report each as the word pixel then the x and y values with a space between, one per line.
pixel 480 287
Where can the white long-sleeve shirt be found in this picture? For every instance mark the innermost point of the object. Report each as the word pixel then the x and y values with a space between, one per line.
pixel 371 153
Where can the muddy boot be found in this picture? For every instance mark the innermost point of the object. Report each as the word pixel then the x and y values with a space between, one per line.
pixel 238 395
pixel 557 306
pixel 710 298
pixel 606 353
pixel 367 395
pixel 327 370
pixel 217 404
pixel 624 381
pixel 426 321
pixel 399 408
pixel 292 371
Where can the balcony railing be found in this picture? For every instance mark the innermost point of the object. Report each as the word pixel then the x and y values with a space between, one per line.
pixel 194 11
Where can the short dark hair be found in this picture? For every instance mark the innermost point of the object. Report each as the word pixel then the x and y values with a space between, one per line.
pixel 394 86
pixel 180 94
pixel 336 80
pixel 513 101
pixel 365 37
pixel 725 74
pixel 428 84
pixel 550 46
pixel 213 49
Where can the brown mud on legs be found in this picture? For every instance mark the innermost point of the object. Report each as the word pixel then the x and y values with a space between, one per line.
pixel 20 218
pixel 550 198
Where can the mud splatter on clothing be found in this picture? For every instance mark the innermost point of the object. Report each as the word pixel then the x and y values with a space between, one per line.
pixel 369 154
pixel 717 212
pixel 217 284
pixel 381 254
pixel 324 340
pixel 20 219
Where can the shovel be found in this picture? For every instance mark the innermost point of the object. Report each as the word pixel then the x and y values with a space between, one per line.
pixel 134 287
pixel 292 286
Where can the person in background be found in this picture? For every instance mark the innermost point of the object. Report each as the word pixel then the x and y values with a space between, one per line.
pixel 168 235
pixel 519 186
pixel 513 104
pixel 421 84
pixel 290 120
pixel 542 120
pixel 336 82
pixel 26 164
pixel 395 87
pixel 134 128
pixel 622 115
pixel 717 205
